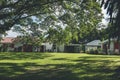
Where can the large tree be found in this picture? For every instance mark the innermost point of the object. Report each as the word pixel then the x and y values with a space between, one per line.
pixel 80 16
pixel 79 21
pixel 13 11
pixel 113 10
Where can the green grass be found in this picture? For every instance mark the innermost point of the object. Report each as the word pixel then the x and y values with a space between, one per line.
pixel 58 66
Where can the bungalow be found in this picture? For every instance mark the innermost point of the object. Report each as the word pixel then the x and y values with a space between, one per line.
pixel 47 46
pixel 70 48
pixel 93 45
pixel 13 44
pixel 7 44
pixel 10 44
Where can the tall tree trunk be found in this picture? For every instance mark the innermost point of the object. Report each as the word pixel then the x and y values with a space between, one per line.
pixel 118 41
pixel 108 47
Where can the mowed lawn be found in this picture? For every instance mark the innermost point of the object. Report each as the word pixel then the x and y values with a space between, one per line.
pixel 58 66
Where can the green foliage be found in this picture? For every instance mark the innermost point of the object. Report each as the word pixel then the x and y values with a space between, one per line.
pixel 31 33
pixel 81 20
pixel 80 16
pixel 58 35
pixel 30 40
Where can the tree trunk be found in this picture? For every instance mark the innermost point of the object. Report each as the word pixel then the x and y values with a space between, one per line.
pixel 108 47
pixel 118 40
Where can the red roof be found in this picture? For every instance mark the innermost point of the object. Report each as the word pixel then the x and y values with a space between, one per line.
pixel 7 40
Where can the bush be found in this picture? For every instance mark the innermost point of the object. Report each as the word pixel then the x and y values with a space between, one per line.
pixel 92 51
pixel 95 51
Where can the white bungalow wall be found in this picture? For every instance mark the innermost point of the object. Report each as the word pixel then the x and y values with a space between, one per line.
pixel 48 46
pixel 60 48
pixel 88 48
pixel 111 49
pixel 112 46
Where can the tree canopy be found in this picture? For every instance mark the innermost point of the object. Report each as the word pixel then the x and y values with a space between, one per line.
pixel 77 16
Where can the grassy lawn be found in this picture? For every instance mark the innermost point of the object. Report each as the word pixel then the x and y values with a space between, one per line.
pixel 58 66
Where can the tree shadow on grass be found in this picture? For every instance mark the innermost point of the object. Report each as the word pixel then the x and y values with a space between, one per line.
pixel 60 59
pixel 49 74
pixel 85 68
pixel 116 75
pixel 100 56
pixel 9 70
pixel 78 71
pixel 99 67
pixel 43 72
pixel 23 55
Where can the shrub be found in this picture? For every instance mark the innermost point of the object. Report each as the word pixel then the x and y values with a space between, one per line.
pixel 92 51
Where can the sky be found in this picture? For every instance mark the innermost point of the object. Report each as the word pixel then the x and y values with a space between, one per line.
pixel 14 34
pixel 105 16
pixel 10 33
